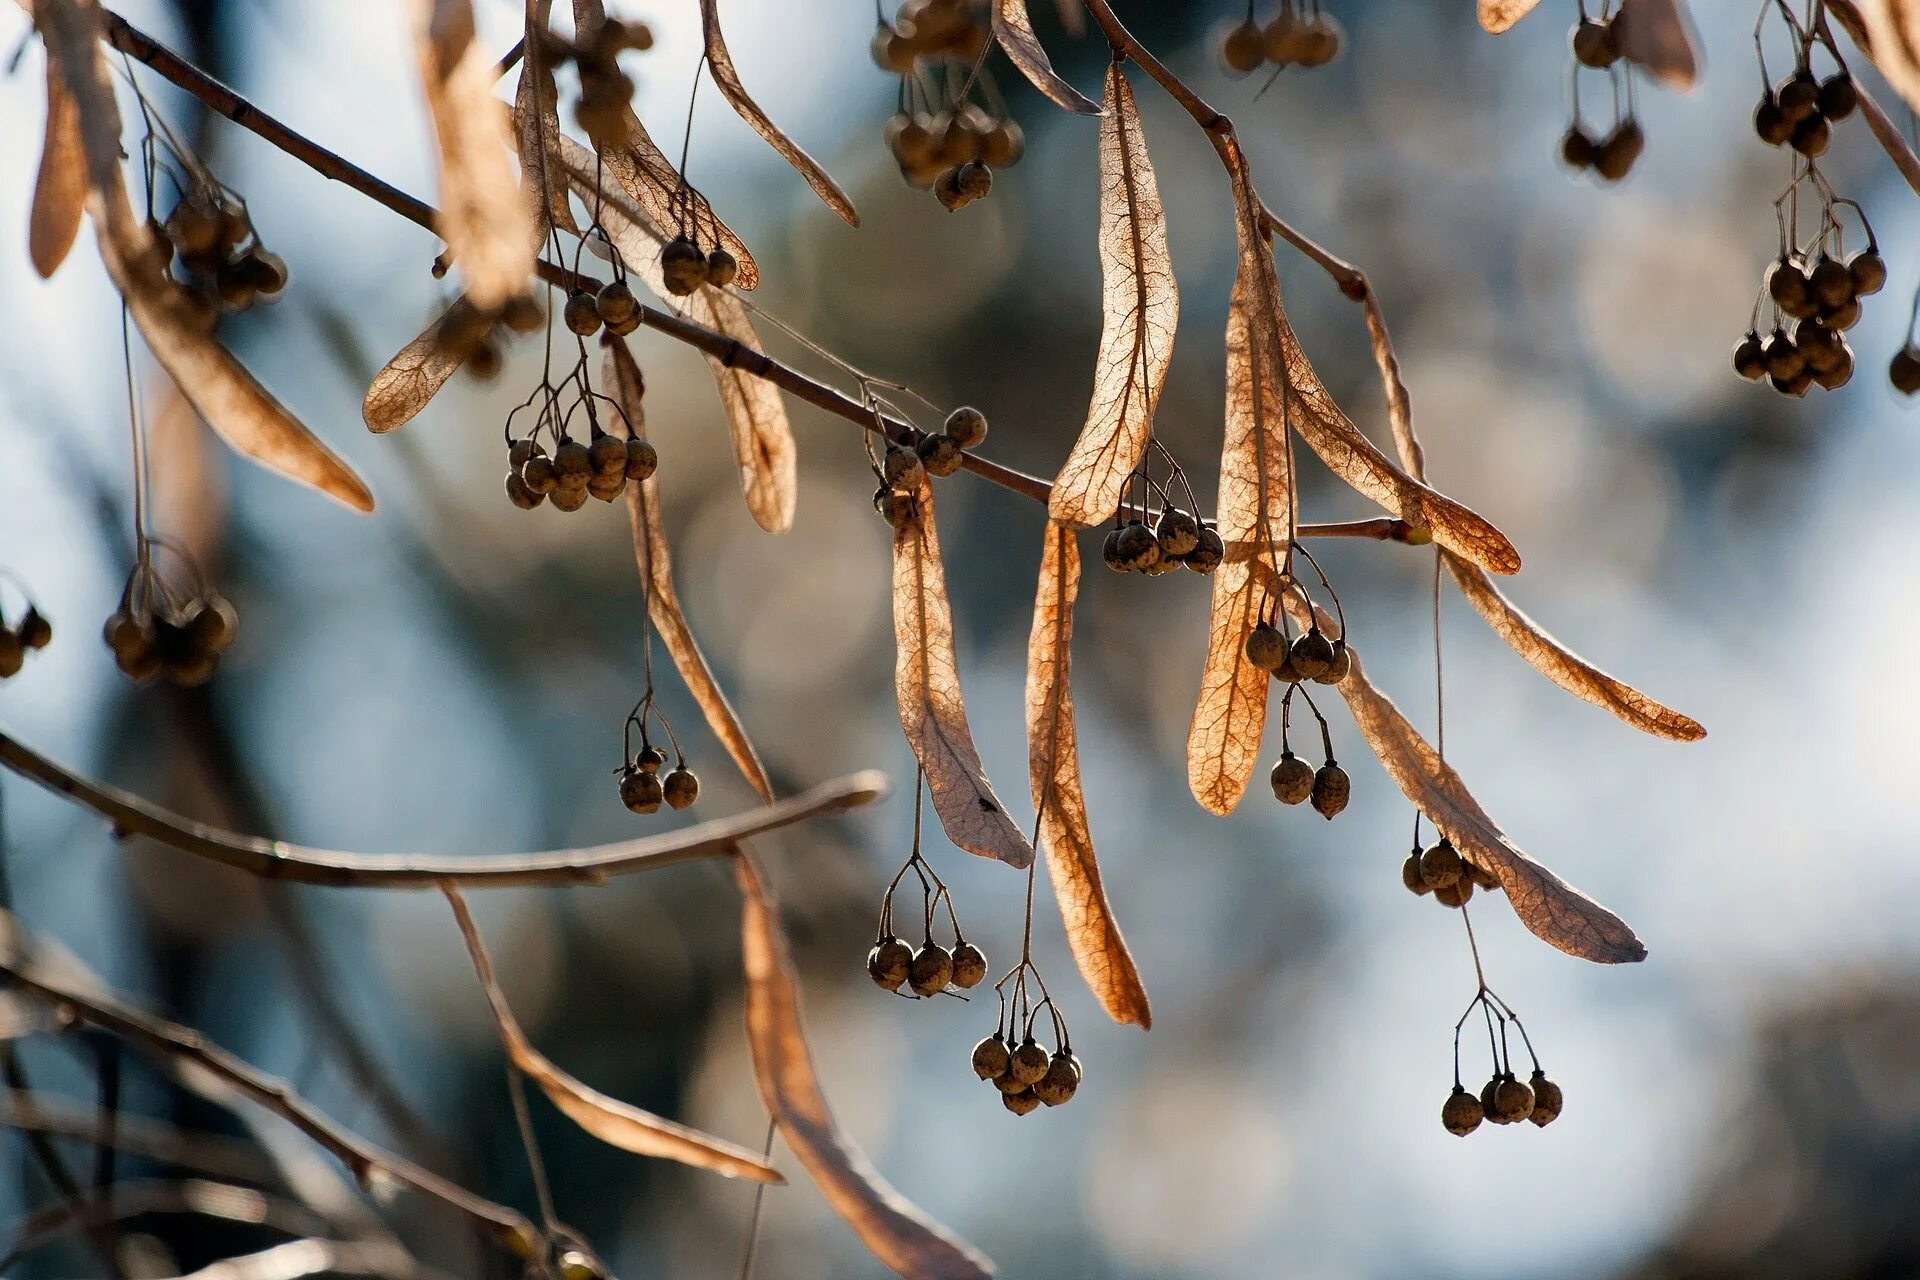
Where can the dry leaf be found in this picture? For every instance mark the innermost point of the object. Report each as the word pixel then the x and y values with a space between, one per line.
pixel 1255 510
pixel 536 131
pixel 1013 28
pixel 622 381
pixel 616 1123
pixel 1399 403
pixel 1888 135
pixel 481 217
pixel 1497 15
pixel 1658 35
pixel 1563 666
pixel 1140 312
pixel 1349 454
pixel 756 413
pixel 1053 771
pixel 1892 28
pixel 926 678
pixel 1546 904
pixel 405 383
pixel 893 1229
pixel 720 63
pixel 60 192
pixel 213 382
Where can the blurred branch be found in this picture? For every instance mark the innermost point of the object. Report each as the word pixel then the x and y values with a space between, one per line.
pixel 210 1153
pixel 217 97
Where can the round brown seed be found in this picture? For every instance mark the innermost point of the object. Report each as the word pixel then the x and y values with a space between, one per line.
pixel 967 427
pixel 991 1056
pixel 680 788
pixel 1331 789
pixel 1461 1113
pixel 969 966
pixel 889 963
pixel 1292 779
pixel 932 969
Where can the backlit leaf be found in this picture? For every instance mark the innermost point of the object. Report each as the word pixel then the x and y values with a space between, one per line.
pixel 60 191
pixel 1013 28
pixel 407 382
pixel 1497 15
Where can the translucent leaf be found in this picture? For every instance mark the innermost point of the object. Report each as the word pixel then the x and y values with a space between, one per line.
pixel 616 1123
pixel 60 191
pixel 1497 15
pixel 926 679
pixel 1013 28
pixel 536 132
pixel 1140 305
pixel 720 63
pixel 1657 35
pixel 1053 771
pixel 407 382
pixel 623 382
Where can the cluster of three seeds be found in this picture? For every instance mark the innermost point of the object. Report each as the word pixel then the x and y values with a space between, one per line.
pixel 642 789
pixel 1296 36
pixel 937 453
pixel 606 92
pixel 576 471
pixel 1610 157
pixel 33 632
pixel 1175 539
pixel 927 970
pixel 223 266
pixel 1441 871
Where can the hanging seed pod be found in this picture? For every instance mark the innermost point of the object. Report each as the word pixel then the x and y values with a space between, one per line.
pixel 608 456
pixel 1110 553
pixel 1282 38
pixel 1021 1103
pixel 1456 894
pixel 901 468
pixel 1796 386
pixel 1338 669
pixel 1136 547
pixel 1789 288
pixel 540 475
pixel 1812 136
pixel 939 454
pixel 1057 1087
pixel 973 181
pixel 1820 347
pixel 683 268
pixel 571 459
pixel 1312 654
pixel 946 189
pixel 520 495
pixel 1771 123
pixel 266 271
pixel 1783 357
pixel 35 631
pixel 1331 789
pixel 607 488
pixel 1869 272
pixel 639 790
pixel 680 788
pixel 1513 1100
pixel 521 451
pixel 1489 1100
pixel 889 963
pixel 967 427
pixel 1208 552
pixel 1267 646
pixel 1547 1099
pixel 642 460
pixel 1904 370
pixel 215 626
pixel 484 361
pixel 722 268
pixel 1622 147
pixel 1177 533
pixel 1461 1112
pixel 1002 146
pixel 1030 1062
pixel 1410 876
pixel 932 969
pixel 1292 779
pixel 1320 41
pixel 13 654
pixel 1440 864
pixel 1831 282
pixel 1838 96
pixel 991 1057
pixel 1798 95
pixel 125 635
pixel 969 966
pixel 1593 44
pixel 1244 48
pixel 1844 316
pixel 1006 1083
pixel 649 759
pixel 1578 150
pixel 892 51
pixel 1284 673
pixel 1838 374
pixel 580 313
pixel 615 303
pixel 1749 358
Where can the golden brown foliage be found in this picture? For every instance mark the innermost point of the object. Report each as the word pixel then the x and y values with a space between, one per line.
pixel 405 383
pixel 1656 35
pixel 1497 15
pixel 60 191
pixel 536 131
pixel 1053 772
pixel 1013 28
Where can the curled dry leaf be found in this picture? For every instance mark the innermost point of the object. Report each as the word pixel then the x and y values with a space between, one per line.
pixel 1053 771
pixel 1546 904
pixel 243 412
pixel 1888 135
pixel 1658 35
pixel 892 1228
pixel 536 131
pixel 727 79
pixel 1346 452
pixel 1497 15
pixel 623 382
pixel 60 192
pixel 1892 40
pixel 1140 305
pixel 1013 28
pixel 405 383
pixel 481 217
pixel 616 1123
pixel 1255 509
pixel 1563 666
pixel 756 413
pixel 926 679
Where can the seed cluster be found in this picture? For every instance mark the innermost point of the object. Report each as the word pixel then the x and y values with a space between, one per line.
pixel 1609 156
pixel 642 788
pixel 901 468
pixel 1025 1072
pixel 209 243
pixel 1298 661
pixel 606 92
pixel 930 969
pixel 1505 1098
pixel 160 629
pixel 939 136
pixel 1145 541
pixel 1440 870
pixel 32 633
pixel 1298 35
pixel 574 471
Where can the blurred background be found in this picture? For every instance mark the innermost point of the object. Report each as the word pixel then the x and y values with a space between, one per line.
pixel 449 676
